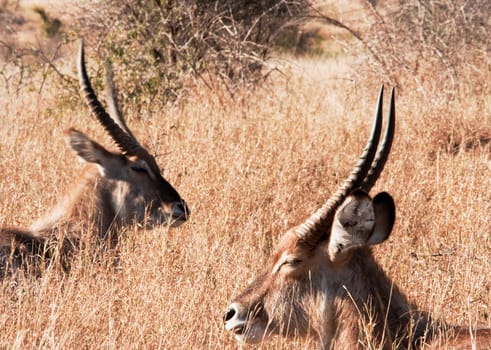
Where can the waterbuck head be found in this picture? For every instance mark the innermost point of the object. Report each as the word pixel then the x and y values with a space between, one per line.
pixel 322 280
pixel 132 179
pixel 117 189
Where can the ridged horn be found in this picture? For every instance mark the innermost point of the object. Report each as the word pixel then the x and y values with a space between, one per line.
pixel 317 225
pixel 126 143
pixel 112 101
pixel 383 152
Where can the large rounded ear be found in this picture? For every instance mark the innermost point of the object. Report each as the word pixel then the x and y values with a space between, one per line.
pixel 353 224
pixel 90 151
pixel 85 148
pixel 385 215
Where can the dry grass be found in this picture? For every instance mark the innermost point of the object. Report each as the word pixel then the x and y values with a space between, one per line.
pixel 249 169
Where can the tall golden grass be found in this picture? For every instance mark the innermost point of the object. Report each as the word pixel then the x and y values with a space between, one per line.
pixel 250 168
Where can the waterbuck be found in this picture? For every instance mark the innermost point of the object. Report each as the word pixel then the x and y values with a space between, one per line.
pixel 117 189
pixel 324 282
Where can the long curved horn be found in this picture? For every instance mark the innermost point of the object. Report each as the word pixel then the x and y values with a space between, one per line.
pixel 112 101
pixel 315 227
pixel 383 152
pixel 125 142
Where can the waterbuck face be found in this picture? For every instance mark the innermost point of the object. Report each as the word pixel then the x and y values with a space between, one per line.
pixel 320 262
pixel 149 197
pixel 137 191
pixel 279 291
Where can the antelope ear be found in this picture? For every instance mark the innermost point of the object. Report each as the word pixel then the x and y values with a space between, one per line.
pixel 90 151
pixel 385 215
pixel 353 224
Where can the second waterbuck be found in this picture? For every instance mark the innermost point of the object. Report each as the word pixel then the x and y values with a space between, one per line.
pixel 117 189
pixel 324 282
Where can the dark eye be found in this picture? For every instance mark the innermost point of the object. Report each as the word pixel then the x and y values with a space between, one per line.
pixel 293 262
pixel 139 169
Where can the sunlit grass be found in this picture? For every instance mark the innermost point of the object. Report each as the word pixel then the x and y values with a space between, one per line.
pixel 250 168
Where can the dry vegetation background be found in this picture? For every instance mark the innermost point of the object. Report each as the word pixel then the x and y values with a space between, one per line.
pixel 250 167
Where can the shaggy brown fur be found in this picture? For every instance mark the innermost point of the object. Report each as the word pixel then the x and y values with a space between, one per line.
pixel 116 189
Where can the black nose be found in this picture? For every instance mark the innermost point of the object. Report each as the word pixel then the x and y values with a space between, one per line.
pixel 182 207
pixel 180 210
pixel 229 314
